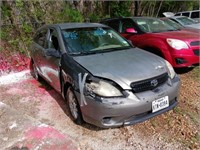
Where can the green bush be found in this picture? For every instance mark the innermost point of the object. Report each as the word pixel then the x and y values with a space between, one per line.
pixel 69 15
pixel 27 28
pixel 3 34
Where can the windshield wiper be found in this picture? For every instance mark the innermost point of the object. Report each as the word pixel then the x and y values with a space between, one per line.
pixel 82 53
pixel 173 29
pixel 164 30
pixel 116 48
pixel 99 51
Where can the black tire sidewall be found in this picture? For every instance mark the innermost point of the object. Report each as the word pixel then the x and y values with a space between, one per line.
pixel 79 119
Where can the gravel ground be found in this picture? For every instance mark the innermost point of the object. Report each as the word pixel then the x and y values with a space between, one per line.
pixel 176 129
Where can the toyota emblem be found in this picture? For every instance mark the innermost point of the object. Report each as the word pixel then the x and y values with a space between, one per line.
pixel 154 82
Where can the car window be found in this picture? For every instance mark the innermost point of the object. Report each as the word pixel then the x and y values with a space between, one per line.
pixel 127 23
pixel 114 24
pixel 153 25
pixel 40 37
pixel 187 14
pixel 53 40
pixel 172 23
pixel 195 14
pixel 186 20
pixel 93 40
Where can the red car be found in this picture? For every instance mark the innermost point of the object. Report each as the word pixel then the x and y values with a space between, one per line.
pixel 180 47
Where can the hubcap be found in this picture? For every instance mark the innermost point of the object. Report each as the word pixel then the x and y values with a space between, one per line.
pixel 73 105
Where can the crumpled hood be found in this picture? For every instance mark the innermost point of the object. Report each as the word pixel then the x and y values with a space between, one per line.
pixel 123 67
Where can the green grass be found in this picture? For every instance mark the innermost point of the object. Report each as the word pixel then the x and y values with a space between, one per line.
pixel 197 136
pixel 196 73
pixel 194 117
pixel 178 110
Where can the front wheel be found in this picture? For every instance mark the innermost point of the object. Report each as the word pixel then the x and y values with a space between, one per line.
pixel 74 107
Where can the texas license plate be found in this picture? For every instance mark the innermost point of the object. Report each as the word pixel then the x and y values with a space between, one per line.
pixel 160 103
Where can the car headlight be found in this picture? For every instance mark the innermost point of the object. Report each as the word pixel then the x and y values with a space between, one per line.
pixel 171 71
pixel 103 88
pixel 177 44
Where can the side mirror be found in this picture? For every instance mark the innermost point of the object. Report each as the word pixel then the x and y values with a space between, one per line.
pixel 131 30
pixel 52 52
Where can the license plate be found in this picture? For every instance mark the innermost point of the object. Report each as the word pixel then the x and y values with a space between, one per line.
pixel 160 103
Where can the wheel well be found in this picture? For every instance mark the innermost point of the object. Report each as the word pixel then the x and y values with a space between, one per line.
pixel 155 51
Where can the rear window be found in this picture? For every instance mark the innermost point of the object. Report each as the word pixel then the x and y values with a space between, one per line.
pixel 113 24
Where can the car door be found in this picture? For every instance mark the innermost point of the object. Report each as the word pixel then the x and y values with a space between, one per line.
pixel 51 59
pixel 38 49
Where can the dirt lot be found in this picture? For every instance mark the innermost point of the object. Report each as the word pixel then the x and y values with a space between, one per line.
pixel 176 129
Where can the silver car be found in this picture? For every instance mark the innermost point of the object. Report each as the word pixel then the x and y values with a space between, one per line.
pixel 104 79
pixel 186 22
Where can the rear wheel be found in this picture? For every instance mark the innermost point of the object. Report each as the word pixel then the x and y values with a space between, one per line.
pixel 73 106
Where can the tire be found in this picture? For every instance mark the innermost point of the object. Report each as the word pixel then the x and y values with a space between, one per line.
pixel 73 106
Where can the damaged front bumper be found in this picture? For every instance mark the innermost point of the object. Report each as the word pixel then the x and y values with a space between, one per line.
pixel 135 108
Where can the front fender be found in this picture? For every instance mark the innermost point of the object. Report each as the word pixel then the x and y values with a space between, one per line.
pixel 158 46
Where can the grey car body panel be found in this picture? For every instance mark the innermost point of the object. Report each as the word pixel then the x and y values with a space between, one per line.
pixel 123 66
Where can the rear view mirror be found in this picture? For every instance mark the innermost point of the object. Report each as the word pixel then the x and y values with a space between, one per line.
pixel 131 30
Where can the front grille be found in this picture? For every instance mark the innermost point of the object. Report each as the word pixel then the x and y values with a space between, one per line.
pixel 196 52
pixel 149 84
pixel 195 43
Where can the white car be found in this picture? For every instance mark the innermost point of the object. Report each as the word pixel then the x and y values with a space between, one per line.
pixel 194 14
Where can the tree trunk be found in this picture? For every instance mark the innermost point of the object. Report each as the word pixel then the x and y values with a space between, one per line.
pixel 159 8
pixel 136 8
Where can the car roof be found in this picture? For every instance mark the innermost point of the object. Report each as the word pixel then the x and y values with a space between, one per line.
pixel 188 11
pixel 178 17
pixel 75 25
pixel 146 17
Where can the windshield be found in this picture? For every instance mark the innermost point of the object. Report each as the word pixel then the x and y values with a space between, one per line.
pixel 186 20
pixel 153 25
pixel 93 40
pixel 172 23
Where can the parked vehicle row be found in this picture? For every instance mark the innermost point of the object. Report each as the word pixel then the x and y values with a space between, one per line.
pixel 185 22
pixel 103 78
